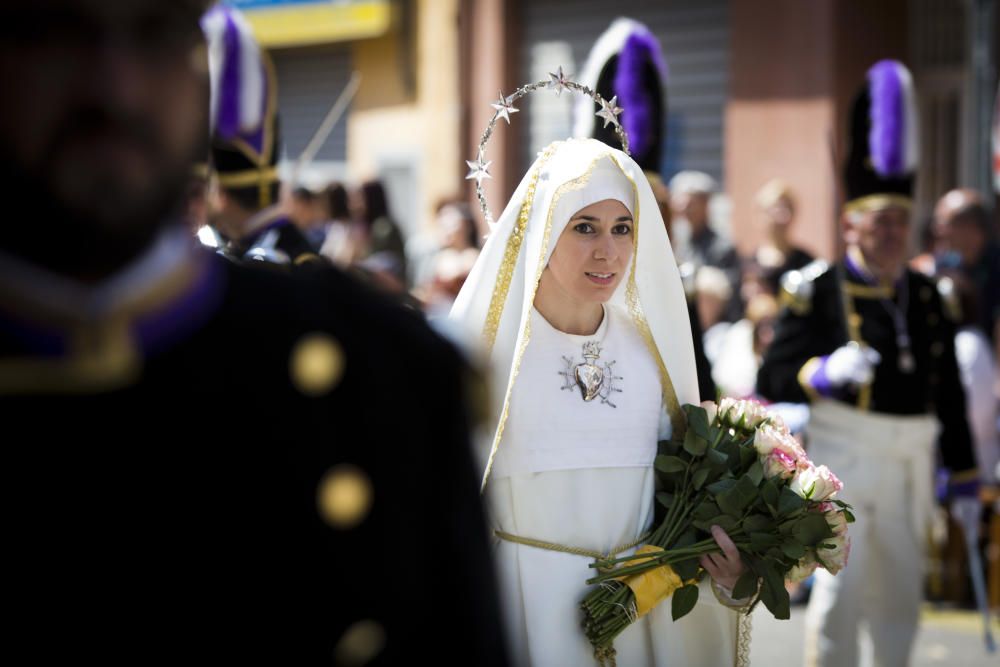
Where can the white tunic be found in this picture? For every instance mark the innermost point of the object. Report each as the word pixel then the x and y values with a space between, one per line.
pixel 580 474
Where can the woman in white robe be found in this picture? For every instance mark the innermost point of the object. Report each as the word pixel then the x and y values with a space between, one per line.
pixel 577 304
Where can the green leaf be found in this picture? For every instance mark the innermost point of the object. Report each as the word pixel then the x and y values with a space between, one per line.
pixel 699 477
pixel 776 600
pixel 669 447
pixel 793 549
pixel 684 600
pixel 849 515
pixel 745 586
pixel 717 457
pixel 789 502
pixel 723 521
pixel 721 486
pixel 747 456
pixel 687 569
pixel 736 499
pixel 694 444
pixel 697 420
pixel 756 473
pixel 770 494
pixel 665 499
pixel 706 510
pixel 669 464
pixel 757 523
pixel 763 541
pixel 811 529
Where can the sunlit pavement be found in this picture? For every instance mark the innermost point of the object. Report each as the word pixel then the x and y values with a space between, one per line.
pixel 946 637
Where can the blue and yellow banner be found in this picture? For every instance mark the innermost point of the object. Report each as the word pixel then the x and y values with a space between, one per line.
pixel 281 23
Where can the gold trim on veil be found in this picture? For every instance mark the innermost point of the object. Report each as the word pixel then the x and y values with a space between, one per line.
pixel 506 271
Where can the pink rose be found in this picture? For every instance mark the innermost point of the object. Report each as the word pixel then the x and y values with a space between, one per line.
pixel 816 483
pixel 834 552
pixel 768 439
pixel 779 464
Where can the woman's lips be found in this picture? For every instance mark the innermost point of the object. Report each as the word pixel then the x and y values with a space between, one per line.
pixel 600 278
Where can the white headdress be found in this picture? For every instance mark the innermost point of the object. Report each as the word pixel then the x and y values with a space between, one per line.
pixel 496 301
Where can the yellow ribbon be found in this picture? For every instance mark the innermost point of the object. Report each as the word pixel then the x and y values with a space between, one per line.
pixel 653 586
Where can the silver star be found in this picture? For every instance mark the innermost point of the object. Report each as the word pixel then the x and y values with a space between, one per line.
pixel 559 81
pixel 505 107
pixel 478 170
pixel 609 111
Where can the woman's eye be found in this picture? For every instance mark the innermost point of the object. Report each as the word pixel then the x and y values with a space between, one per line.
pixel 622 229
pixel 584 228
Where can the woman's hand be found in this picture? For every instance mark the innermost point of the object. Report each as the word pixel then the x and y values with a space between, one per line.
pixel 724 568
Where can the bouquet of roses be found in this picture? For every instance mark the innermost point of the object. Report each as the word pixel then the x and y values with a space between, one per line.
pixel 736 467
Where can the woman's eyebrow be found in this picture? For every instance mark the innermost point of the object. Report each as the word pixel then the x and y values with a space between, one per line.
pixel 624 218
pixel 588 218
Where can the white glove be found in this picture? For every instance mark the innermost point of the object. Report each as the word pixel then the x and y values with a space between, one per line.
pixel 852 364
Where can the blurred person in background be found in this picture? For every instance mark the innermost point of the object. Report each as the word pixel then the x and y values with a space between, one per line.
pixel 967 241
pixel 309 210
pixel 690 196
pixel 454 229
pixel 978 369
pixel 713 294
pixel 384 257
pixel 742 348
pixel 777 254
pixel 346 239
pixel 204 464
pixel 244 204
pixel 870 346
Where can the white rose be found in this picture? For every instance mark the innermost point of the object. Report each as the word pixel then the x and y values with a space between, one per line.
pixel 837 522
pixel 834 556
pixel 816 483
pixel 712 409
pixel 801 570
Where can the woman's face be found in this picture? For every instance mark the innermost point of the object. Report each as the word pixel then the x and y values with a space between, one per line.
pixel 593 252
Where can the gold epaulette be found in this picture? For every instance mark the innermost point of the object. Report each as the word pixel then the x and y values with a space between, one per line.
pixel 797 287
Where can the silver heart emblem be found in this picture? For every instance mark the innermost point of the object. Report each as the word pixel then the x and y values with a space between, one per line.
pixel 589 378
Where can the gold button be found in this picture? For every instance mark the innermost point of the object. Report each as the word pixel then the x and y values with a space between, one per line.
pixel 344 496
pixel 316 364
pixel 933 319
pixel 360 644
pixel 926 293
pixel 937 348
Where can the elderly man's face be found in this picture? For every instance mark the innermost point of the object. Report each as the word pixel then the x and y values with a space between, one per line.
pixel 882 236
pixel 104 104
pixel 693 207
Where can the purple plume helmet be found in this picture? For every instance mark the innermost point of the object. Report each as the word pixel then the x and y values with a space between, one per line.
pixel 892 132
pixel 239 78
pixel 638 118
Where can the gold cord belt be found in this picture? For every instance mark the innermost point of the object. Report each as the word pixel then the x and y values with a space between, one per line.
pixel 577 551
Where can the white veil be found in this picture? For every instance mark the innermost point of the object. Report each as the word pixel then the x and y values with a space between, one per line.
pixel 495 303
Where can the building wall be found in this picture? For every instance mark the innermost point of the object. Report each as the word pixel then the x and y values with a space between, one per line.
pixel 404 122
pixel 795 68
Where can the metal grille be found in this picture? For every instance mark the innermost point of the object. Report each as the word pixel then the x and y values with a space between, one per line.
pixel 694 35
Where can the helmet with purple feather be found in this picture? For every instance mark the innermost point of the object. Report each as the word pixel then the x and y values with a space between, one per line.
pixel 884 150
pixel 626 61
pixel 243 118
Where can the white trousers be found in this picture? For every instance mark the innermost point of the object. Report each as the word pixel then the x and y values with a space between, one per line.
pixel 886 465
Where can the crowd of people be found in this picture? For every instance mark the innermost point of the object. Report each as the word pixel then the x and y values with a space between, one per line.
pixel 258 454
